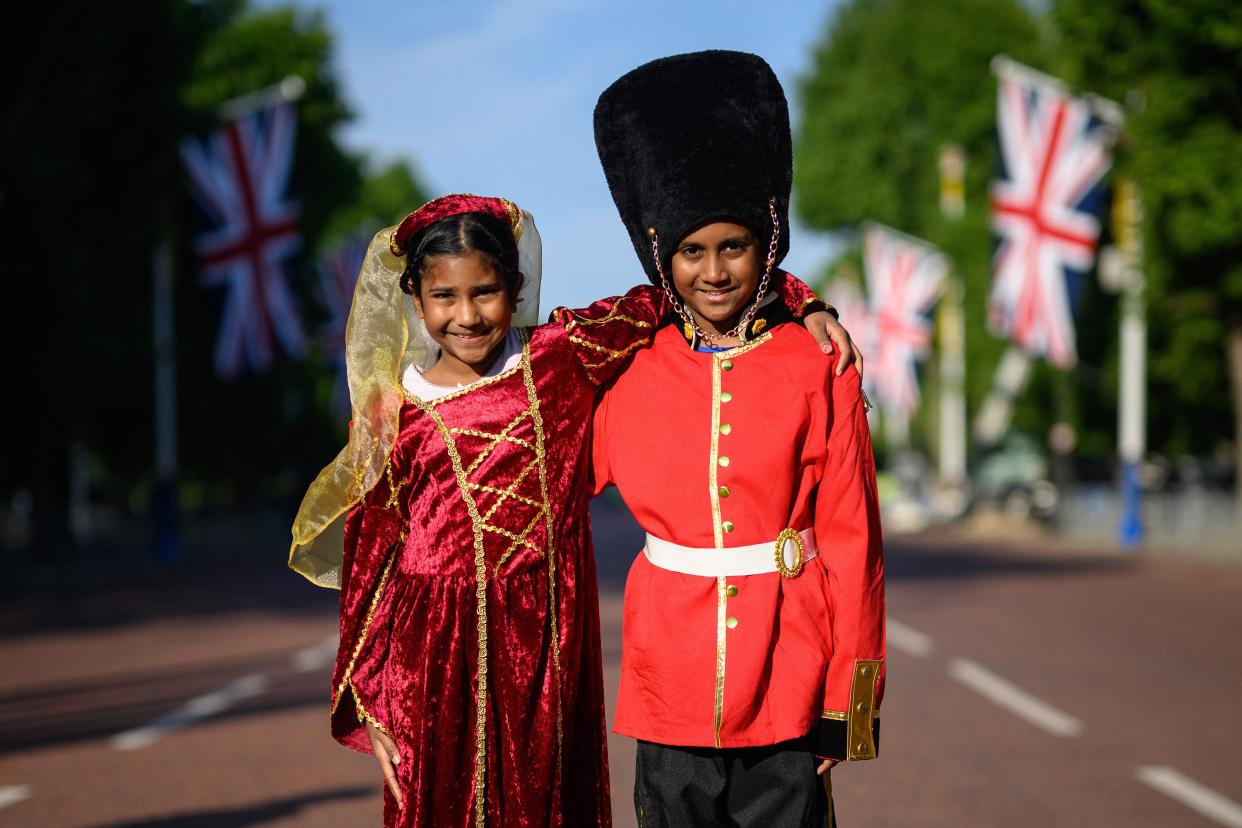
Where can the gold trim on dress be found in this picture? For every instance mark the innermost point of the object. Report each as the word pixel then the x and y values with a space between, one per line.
pixel 365 715
pixel 611 316
pixel 366 627
pixel 480 525
pixel 807 301
pixel 480 594
pixel 553 616
pixel 474 386
pixel 861 713
pixel 836 715
pixel 612 353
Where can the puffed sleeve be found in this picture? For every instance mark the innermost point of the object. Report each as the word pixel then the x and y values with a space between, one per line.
pixel 604 334
pixel 798 296
pixel 374 530
pixel 848 535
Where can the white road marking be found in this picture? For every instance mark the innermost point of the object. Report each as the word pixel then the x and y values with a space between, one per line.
pixel 908 639
pixel 13 794
pixel 309 659
pixel 1008 695
pixel 196 709
pixel 1190 793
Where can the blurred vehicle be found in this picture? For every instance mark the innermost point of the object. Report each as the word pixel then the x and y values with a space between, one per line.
pixel 1015 477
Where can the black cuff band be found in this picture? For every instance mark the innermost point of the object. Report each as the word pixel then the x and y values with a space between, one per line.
pixel 833 738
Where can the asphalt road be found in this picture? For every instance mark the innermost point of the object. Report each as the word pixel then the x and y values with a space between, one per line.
pixel 1029 685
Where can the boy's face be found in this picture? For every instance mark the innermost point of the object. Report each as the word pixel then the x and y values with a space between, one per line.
pixel 467 310
pixel 716 271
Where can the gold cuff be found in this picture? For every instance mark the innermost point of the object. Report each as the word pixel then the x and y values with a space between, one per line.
pixel 861 713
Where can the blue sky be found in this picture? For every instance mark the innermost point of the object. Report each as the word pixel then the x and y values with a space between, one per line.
pixel 497 98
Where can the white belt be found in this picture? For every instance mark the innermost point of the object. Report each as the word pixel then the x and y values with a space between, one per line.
pixel 786 555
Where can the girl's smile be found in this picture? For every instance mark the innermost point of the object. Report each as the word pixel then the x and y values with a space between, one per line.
pixel 467 310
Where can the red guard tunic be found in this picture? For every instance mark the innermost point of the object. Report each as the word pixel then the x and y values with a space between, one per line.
pixel 713 450
pixel 469 607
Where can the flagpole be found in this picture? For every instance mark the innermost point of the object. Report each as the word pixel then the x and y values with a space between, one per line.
pixel 951 329
pixel 1132 388
pixel 286 91
pixel 167 506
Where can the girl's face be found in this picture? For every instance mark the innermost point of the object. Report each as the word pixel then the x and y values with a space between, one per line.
pixel 467 310
pixel 716 271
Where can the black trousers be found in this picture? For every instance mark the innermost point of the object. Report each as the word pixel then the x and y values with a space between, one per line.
pixel 774 786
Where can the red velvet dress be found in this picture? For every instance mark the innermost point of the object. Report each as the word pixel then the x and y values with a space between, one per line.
pixel 469 606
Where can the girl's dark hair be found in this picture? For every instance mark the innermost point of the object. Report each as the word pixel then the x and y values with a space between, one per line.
pixel 458 235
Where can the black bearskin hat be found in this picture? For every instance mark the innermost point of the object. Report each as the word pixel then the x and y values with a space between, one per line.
pixel 690 139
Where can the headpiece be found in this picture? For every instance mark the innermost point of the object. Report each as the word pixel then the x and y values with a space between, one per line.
pixel 383 337
pixel 452 205
pixel 694 138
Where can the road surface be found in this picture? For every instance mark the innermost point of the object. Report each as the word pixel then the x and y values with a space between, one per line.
pixel 1028 685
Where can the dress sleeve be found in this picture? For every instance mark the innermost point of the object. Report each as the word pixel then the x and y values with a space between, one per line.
pixel 847 533
pixel 797 295
pixel 374 530
pixel 606 333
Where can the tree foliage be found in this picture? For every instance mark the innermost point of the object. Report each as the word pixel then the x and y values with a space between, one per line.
pixel 1178 65
pixel 891 82
pixel 90 182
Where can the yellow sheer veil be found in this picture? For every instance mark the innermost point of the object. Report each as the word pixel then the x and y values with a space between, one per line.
pixel 383 337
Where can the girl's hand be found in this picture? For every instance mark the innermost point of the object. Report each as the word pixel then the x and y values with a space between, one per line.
pixel 387 756
pixel 826 766
pixel 828 332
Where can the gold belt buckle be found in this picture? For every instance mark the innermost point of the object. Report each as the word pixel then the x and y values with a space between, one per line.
pixel 783 538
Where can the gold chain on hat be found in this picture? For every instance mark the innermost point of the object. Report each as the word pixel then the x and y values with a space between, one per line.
pixel 759 294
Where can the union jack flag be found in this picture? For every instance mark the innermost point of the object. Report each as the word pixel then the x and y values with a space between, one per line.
pixel 845 295
pixel 1054 151
pixel 338 275
pixel 238 176
pixel 904 279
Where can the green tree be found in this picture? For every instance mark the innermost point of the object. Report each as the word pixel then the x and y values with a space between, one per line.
pixel 87 165
pixel 891 82
pixel 282 433
pixel 388 193
pixel 91 181
pixel 1178 63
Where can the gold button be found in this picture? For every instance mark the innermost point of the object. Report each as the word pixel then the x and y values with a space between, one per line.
pixel 725 428
pixel 730 622
pixel 727 526
pixel 866 671
pixel 724 491
pixel 862 747
pixel 725 396
pixel 862 707
pixel 724 461
pixel 727 365
pixel 731 590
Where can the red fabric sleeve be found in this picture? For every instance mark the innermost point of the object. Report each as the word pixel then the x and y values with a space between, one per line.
pixel 847 533
pixel 606 333
pixel 796 294
pixel 373 534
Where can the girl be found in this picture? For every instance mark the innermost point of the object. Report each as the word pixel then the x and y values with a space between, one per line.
pixel 469 660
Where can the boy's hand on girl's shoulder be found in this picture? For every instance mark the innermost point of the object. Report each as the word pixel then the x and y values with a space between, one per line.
pixel 833 337
pixel 386 754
